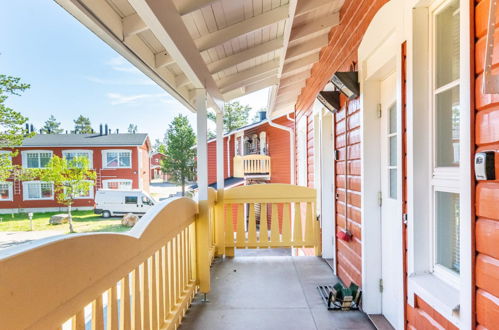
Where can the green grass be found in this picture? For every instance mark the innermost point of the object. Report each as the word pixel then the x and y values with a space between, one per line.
pixel 83 222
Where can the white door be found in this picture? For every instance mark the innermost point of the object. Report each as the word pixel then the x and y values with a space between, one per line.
pixel 391 264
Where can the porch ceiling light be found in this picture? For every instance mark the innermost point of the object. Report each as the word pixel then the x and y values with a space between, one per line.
pixel 347 83
pixel 330 99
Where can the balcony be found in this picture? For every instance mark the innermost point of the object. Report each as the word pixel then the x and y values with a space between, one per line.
pixel 252 167
pixel 148 278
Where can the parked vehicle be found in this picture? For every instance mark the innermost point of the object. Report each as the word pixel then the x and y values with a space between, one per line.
pixel 112 202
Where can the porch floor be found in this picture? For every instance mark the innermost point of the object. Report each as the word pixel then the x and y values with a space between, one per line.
pixel 269 292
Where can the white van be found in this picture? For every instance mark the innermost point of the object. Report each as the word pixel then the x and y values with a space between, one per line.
pixel 112 202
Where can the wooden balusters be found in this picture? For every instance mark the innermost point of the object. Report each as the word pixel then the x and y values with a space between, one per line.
pixel 97 314
pixel 286 224
pixel 252 226
pixel 274 225
pixel 146 291
pixel 79 320
pixel 125 313
pixel 112 308
pixel 136 302
pixel 240 234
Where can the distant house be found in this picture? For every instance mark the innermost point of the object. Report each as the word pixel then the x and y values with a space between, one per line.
pixel 255 153
pixel 121 161
pixel 156 171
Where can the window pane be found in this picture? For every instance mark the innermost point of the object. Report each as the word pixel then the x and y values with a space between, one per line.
pixel 393 183
pixel 33 190
pixel 393 119
pixel 124 159
pixel 447 230
pixel 125 185
pixel 130 199
pixel 69 156
pixel 32 160
pixel 447 44
pixel 4 191
pixel 393 150
pixel 112 159
pixel 45 158
pixel 46 190
pixel 447 128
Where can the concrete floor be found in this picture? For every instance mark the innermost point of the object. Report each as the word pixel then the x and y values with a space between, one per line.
pixel 269 292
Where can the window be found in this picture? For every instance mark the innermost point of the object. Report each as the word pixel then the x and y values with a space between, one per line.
pixel 87 194
pixel 36 158
pixel 72 154
pixel 446 110
pixel 38 190
pixel 131 200
pixel 392 154
pixel 5 191
pixel 118 184
pixel 117 158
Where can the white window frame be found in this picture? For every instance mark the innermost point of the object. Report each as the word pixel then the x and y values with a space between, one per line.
pixel 90 190
pixel 443 179
pixel 11 192
pixel 104 158
pixel 25 153
pixel 106 182
pixel 90 155
pixel 25 191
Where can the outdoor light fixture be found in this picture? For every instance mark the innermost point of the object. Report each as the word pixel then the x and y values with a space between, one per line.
pixel 347 83
pixel 331 100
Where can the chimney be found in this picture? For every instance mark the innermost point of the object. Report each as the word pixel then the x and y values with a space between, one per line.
pixel 31 128
pixel 66 131
pixel 117 131
pixel 27 128
pixel 100 129
pixel 263 115
pixel 106 130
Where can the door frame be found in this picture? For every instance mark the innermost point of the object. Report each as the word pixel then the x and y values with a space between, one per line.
pixel 379 54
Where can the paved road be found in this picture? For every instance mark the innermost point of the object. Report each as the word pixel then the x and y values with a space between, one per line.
pixel 15 238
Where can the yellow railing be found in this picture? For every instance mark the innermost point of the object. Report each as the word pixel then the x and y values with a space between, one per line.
pixel 146 278
pixel 150 273
pixel 270 216
pixel 251 165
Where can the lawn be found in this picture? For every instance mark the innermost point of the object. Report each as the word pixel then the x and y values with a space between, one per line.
pixel 83 221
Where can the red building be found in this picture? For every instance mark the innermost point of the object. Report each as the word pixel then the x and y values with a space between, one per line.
pixel 156 172
pixel 256 153
pixel 121 161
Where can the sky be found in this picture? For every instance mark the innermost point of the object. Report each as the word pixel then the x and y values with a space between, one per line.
pixel 72 72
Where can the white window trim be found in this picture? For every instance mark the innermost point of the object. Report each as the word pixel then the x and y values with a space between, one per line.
pixel 105 182
pixel 25 153
pixel 90 154
pixel 25 191
pixel 11 192
pixel 104 158
pixel 91 191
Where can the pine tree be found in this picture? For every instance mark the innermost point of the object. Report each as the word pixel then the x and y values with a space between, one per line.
pixel 132 129
pixel 235 116
pixel 83 125
pixel 52 126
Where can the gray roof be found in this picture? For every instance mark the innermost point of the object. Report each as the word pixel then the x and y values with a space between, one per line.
pixel 85 140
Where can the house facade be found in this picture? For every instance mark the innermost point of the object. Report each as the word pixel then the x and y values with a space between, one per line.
pixel 156 172
pixel 121 161
pixel 256 153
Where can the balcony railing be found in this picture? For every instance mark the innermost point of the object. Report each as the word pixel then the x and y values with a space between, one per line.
pixel 146 278
pixel 252 165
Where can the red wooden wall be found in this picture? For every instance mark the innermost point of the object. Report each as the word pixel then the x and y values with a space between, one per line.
pixel 487 192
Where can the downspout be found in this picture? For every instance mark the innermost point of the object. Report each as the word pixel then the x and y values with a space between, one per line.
pixel 291 144
pixel 289 118
pixel 228 156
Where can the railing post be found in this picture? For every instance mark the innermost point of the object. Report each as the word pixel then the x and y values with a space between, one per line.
pixel 220 223
pixel 203 247
pixel 219 209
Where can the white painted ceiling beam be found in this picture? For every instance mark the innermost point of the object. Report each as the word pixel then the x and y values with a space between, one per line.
pixel 250 88
pixel 168 27
pixel 296 88
pixel 301 77
pixel 132 25
pixel 306 48
pixel 242 76
pixel 300 65
pixel 163 59
pixel 320 25
pixel 181 80
pixel 306 6
pixel 248 81
pixel 245 55
pixel 188 6
pixel 233 31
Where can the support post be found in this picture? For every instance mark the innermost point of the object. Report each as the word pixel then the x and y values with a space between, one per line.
pixel 219 210
pixel 202 222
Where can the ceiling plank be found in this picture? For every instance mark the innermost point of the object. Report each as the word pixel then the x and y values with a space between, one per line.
pixel 320 25
pixel 291 88
pixel 307 6
pixel 300 65
pixel 294 79
pixel 133 25
pixel 248 81
pixel 233 31
pixel 245 55
pixel 307 48
pixel 242 76
pixel 188 6
pixel 163 59
pixel 181 80
pixel 238 92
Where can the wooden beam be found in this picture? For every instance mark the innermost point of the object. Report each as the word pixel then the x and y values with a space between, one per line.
pixel 291 89
pixel 294 79
pixel 243 76
pixel 307 48
pixel 320 25
pixel 188 6
pixel 287 98
pixel 245 55
pixel 300 65
pixel 181 80
pixel 306 6
pixel 132 25
pixel 248 81
pixel 163 59
pixel 233 31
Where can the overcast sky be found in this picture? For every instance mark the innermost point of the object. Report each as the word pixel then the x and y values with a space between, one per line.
pixel 73 72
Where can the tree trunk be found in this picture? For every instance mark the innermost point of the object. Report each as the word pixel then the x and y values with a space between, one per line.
pixel 71 229
pixel 183 186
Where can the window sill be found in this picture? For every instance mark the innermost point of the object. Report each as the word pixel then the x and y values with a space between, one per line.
pixel 39 199
pixel 442 297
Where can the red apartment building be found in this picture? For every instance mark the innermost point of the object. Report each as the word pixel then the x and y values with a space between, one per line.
pixel 256 153
pixel 121 161
pixel 156 172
